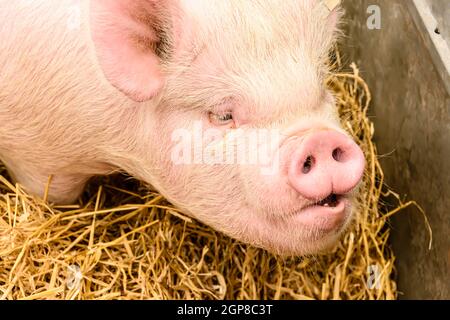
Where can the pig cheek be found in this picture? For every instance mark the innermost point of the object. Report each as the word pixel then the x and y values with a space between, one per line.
pixel 186 178
pixel 166 170
pixel 266 183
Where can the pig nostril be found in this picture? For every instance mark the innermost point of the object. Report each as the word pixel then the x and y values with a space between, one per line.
pixel 338 154
pixel 307 165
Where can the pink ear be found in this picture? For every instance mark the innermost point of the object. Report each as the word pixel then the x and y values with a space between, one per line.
pixel 125 39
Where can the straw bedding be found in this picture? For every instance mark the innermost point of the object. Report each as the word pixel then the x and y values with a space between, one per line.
pixel 122 241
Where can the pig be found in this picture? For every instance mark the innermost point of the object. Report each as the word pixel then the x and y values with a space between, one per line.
pixel 94 87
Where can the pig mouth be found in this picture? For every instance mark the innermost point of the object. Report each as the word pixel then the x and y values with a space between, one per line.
pixel 326 215
pixel 331 201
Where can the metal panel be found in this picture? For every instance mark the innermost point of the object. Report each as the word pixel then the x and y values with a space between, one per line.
pixel 411 110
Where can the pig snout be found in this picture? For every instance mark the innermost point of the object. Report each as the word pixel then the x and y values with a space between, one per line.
pixel 326 162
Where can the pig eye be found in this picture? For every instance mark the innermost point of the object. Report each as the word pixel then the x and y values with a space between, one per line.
pixel 221 119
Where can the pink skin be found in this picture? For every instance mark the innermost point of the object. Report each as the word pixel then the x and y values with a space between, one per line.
pixel 326 163
pixel 107 97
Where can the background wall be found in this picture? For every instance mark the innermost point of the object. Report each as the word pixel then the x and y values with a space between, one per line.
pixel 411 111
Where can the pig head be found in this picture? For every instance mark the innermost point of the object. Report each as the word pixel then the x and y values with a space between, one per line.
pixel 220 105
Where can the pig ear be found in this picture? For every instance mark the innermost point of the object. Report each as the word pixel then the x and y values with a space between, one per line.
pixel 125 38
